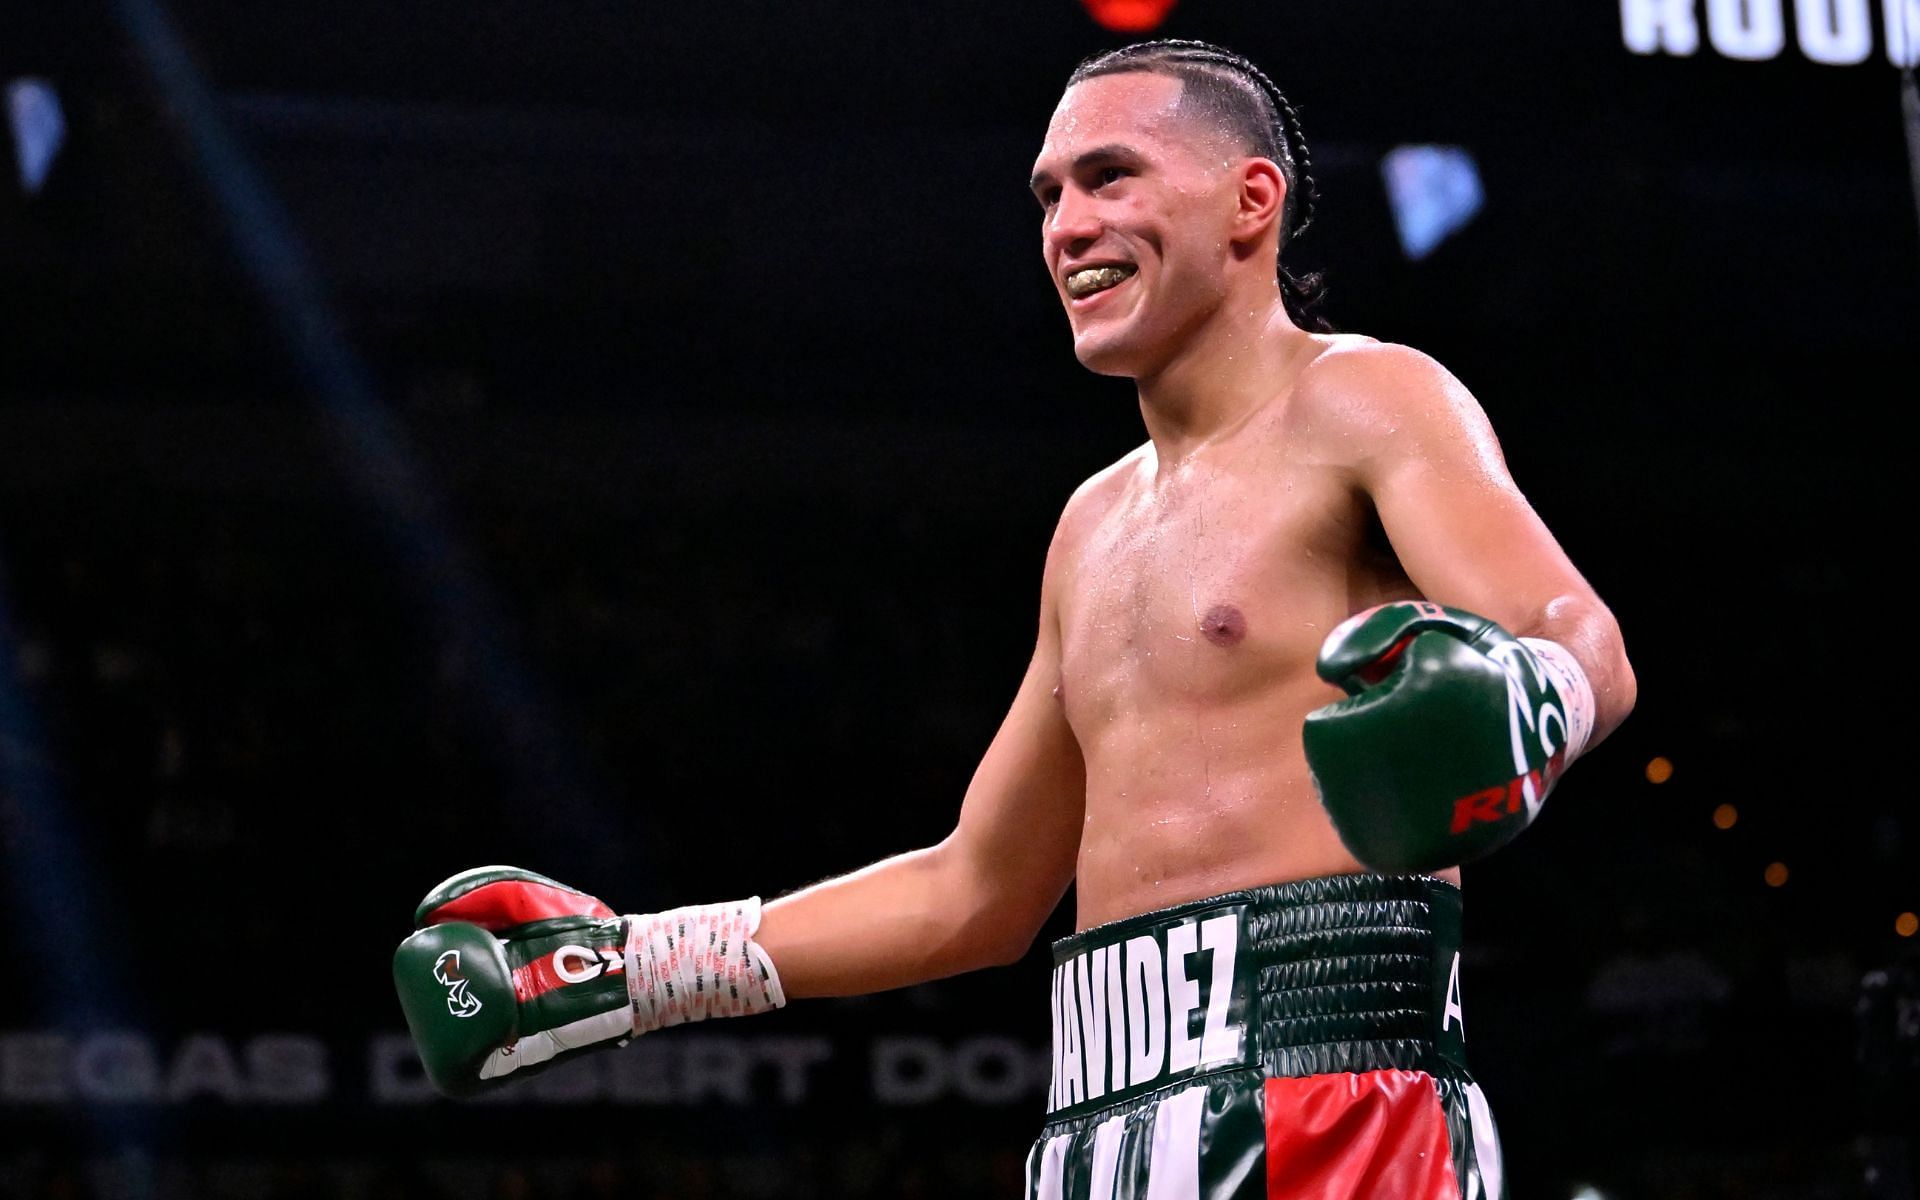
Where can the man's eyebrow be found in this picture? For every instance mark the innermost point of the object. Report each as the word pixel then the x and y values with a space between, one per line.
pixel 1098 154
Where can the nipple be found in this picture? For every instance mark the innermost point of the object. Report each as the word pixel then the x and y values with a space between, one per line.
pixel 1223 625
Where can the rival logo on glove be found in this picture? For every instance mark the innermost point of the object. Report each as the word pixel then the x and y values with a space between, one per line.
pixel 446 971
pixel 1536 728
pixel 1500 802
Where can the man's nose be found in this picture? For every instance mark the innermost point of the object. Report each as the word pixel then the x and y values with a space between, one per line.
pixel 1073 222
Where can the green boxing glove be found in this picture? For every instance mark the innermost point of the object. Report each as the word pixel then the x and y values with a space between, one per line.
pixel 510 972
pixel 1452 734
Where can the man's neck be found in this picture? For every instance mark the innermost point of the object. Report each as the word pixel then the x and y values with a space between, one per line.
pixel 1229 369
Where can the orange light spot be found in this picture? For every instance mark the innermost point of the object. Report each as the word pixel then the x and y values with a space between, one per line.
pixel 1725 816
pixel 1776 874
pixel 1660 770
pixel 1906 924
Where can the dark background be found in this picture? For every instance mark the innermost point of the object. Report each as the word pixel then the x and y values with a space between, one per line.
pixel 623 440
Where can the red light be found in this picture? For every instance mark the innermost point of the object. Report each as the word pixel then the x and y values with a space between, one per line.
pixel 1129 16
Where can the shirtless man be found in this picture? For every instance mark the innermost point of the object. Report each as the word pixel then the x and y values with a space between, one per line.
pixel 1263 995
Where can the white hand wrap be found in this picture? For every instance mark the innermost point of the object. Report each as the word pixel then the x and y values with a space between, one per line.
pixel 1575 692
pixel 692 963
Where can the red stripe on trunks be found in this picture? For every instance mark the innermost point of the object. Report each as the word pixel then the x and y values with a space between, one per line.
pixel 1375 1135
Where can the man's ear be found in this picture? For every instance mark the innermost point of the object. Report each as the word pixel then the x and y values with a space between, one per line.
pixel 1262 199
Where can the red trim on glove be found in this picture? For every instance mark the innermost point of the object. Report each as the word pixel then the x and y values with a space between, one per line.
pixel 1383 666
pixel 505 903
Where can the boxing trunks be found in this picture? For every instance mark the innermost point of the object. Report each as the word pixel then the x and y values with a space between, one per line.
pixel 1297 1042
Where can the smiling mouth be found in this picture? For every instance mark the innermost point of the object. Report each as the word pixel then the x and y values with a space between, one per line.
pixel 1089 280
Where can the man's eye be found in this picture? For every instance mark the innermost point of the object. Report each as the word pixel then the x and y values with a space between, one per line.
pixel 1111 175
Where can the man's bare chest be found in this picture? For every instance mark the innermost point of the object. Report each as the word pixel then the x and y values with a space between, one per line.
pixel 1199 593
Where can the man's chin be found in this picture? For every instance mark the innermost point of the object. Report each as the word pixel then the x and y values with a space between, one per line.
pixel 1105 355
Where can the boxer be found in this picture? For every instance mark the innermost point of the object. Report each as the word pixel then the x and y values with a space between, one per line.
pixel 1299 655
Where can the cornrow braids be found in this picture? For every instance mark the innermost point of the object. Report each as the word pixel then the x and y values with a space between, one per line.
pixel 1241 97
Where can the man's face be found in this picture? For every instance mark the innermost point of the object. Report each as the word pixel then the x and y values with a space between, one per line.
pixel 1137 200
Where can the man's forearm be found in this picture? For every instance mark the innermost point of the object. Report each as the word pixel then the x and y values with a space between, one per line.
pixel 901 921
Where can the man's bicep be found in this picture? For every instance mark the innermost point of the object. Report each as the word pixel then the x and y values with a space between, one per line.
pixel 1018 835
pixel 1466 537
pixel 1019 828
pixel 1459 525
pixel 1476 546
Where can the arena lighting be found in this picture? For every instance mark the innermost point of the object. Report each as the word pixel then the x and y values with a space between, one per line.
pixel 52 897
pixel 1129 16
pixel 1725 816
pixel 1434 191
pixel 1907 56
pixel 547 770
pixel 1659 769
pixel 1776 874
pixel 1906 924
pixel 39 129
pixel 1587 1191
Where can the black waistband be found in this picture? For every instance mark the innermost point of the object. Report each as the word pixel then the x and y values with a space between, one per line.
pixel 1337 973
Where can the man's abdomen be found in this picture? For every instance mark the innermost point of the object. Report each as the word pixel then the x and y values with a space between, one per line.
pixel 1198 820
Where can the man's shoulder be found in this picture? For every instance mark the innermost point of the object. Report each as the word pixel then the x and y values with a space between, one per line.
pixel 1350 366
pixel 1101 491
pixel 1104 486
pixel 1358 387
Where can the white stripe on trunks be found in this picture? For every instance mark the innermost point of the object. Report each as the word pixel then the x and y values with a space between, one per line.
pixel 1106 1156
pixel 1486 1142
pixel 1174 1170
pixel 1053 1168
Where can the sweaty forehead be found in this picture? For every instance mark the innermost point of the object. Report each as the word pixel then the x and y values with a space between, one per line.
pixel 1135 108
